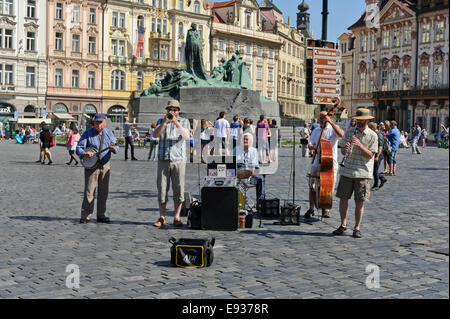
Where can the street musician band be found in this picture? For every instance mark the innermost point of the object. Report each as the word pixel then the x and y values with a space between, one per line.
pixel 358 146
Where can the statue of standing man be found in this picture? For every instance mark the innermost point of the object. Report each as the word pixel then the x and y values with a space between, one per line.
pixel 193 52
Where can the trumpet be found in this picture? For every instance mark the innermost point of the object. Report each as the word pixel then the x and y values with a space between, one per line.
pixel 349 152
pixel 169 117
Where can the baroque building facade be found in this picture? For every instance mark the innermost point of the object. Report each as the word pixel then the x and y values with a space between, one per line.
pixel 23 65
pixel 401 65
pixel 74 51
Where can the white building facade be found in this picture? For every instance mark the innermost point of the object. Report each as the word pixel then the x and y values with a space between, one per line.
pixel 23 64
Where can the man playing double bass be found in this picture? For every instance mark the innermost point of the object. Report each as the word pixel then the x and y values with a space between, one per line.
pixel 333 133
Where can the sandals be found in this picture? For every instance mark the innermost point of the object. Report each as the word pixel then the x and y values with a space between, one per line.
pixel 160 222
pixel 340 231
pixel 356 233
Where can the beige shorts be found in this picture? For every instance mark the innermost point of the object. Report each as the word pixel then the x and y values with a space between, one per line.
pixel 361 187
pixel 171 172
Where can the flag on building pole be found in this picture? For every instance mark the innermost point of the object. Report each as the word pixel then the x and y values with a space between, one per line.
pixel 141 32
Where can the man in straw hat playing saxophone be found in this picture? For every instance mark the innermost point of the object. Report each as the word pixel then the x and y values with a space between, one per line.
pixel 173 132
pixel 359 146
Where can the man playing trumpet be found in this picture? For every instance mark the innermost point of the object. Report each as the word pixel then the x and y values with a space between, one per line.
pixel 173 131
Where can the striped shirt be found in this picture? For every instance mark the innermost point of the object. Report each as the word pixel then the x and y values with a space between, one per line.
pixel 172 145
pixel 357 165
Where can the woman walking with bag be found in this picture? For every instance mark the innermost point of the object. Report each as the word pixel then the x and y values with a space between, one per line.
pixel 46 139
pixel 72 140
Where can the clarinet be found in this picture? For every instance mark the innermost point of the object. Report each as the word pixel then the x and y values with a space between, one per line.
pixel 349 152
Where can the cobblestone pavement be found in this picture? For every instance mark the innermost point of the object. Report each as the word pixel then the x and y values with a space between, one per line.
pixel 405 233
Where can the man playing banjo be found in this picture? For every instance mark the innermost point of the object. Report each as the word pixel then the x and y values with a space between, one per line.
pixel 94 149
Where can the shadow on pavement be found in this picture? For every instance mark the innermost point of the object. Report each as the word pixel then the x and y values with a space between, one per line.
pixel 75 220
pixel 133 194
pixel 268 233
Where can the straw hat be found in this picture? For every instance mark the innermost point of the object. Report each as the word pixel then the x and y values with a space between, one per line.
pixel 363 114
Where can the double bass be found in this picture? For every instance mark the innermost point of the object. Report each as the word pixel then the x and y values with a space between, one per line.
pixel 323 186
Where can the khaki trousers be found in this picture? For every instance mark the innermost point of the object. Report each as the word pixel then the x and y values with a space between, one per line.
pixel 95 179
pixel 170 172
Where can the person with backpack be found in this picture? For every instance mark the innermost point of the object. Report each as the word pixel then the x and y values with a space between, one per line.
pixel 394 139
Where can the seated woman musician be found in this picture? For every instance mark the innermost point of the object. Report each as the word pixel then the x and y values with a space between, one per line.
pixel 247 159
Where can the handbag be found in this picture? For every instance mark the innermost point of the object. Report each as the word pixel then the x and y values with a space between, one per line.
pixel 387 148
pixel 195 215
pixel 52 141
pixel 191 253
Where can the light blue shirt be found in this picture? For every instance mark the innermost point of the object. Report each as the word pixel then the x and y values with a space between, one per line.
pixel 394 138
pixel 91 138
pixel 247 160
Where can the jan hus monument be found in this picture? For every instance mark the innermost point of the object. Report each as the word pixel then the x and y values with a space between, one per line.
pixel 203 95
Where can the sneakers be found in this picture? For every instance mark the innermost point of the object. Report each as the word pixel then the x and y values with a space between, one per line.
pixel 160 222
pixel 309 213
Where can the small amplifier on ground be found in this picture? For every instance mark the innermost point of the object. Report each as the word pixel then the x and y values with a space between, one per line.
pixel 270 207
pixel 290 214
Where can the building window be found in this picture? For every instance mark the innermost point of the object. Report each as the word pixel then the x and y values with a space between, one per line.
pixel 362 83
pixel 270 75
pixel 31 9
pixel 31 76
pixel 8 39
pixel 76 13
pixel 92 45
pixel 58 41
pixel 92 16
pixel 439 31
pixel 140 22
pixel 364 43
pixel 437 76
pixel 153 25
pixel 118 80
pixel 180 4
pixel 407 36
pixel 122 20
pixel 248 19
pixel 405 78
pixel 373 42
pixel 373 78
pixel 164 52
pixel 158 25
pixel 164 26
pixel 75 43
pixel 395 75
pixel 75 79
pixel 155 51
pixel 236 46
pixel 259 73
pixel 140 81
pixel 1 74
pixel 91 80
pixel 384 80
pixel 1 40
pixel 9 74
pixel 59 11
pixel 434 125
pixel 7 7
pixel 221 44
pixel 31 41
pixel 59 78
pixel 271 53
pixel 114 47
pixel 385 39
pixel 426 33
pixel 396 38
pixel 197 6
pixel 260 50
pixel 114 19
pixel 121 48
pixel 424 75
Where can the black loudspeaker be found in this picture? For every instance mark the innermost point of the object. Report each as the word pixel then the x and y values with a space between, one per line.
pixel 220 208
pixel 290 214
pixel 270 207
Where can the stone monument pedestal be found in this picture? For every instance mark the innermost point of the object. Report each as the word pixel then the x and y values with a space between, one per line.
pixel 207 103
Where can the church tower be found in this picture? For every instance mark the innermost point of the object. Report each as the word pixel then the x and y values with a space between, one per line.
pixel 303 19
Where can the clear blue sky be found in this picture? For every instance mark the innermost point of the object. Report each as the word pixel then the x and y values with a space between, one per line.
pixel 342 14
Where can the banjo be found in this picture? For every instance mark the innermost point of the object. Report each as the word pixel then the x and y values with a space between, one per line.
pixel 94 161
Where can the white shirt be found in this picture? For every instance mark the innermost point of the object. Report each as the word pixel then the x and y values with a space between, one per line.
pixel 329 134
pixel 222 125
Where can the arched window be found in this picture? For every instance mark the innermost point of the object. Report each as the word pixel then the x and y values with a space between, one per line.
pixel 140 21
pixel 197 7
pixel 140 81
pixel 180 30
pixel 29 109
pixel 118 80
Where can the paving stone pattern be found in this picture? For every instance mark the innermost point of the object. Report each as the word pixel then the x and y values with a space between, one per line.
pixel 404 223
